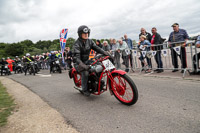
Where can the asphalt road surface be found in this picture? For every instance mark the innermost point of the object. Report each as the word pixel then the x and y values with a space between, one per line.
pixel 164 105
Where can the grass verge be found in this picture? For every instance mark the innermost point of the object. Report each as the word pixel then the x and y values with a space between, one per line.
pixel 6 105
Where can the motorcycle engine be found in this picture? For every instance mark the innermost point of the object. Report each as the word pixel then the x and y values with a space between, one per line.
pixel 93 83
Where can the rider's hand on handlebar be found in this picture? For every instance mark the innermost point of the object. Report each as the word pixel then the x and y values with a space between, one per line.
pixel 108 54
pixel 85 67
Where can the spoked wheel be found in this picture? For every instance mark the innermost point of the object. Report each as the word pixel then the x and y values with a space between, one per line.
pixel 30 71
pixel 124 89
pixel 59 69
pixel 33 70
pixel 77 80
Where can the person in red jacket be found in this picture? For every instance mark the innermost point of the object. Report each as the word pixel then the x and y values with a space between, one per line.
pixel 10 66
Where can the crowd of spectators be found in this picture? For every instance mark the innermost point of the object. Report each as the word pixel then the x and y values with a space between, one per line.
pixel 122 49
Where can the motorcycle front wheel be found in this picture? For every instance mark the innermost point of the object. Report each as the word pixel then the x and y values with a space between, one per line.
pixel 124 89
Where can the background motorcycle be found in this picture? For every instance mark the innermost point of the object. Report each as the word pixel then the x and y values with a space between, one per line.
pixel 18 68
pixel 30 68
pixel 37 69
pixel 56 66
pixel 5 70
pixel 103 76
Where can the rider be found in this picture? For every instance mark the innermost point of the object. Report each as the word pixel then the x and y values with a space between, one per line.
pixel 28 58
pixel 17 61
pixel 10 63
pixel 58 54
pixel 81 51
pixel 3 62
pixel 27 61
pixel 52 58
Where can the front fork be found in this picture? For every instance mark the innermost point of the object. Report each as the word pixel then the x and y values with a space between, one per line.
pixel 109 80
pixel 110 77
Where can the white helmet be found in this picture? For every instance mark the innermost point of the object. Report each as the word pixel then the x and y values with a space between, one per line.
pixel 27 54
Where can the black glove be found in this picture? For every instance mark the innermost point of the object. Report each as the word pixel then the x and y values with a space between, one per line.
pixel 108 54
pixel 83 67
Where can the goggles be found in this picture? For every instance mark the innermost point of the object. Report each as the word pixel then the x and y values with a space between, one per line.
pixel 86 30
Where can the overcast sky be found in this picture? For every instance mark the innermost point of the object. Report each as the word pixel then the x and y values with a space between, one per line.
pixel 43 19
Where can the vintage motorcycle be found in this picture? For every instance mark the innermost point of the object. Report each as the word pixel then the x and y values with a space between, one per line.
pixel 104 76
pixel 5 70
pixel 56 66
pixel 30 68
pixel 18 68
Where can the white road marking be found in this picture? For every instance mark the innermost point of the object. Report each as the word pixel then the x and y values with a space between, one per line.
pixel 42 75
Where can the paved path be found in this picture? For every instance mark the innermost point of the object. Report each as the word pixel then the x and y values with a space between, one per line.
pixel 164 105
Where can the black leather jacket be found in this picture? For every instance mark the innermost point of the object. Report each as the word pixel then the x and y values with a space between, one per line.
pixel 148 36
pixel 157 40
pixel 81 50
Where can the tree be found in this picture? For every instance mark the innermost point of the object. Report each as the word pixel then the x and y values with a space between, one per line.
pixel 15 49
pixel 2 50
pixel 53 47
pixel 36 51
pixel 94 40
pixel 45 50
pixel 70 42
pixel 27 43
pixel 102 40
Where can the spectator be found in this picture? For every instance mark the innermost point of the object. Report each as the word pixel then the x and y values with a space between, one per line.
pixel 196 57
pixel 48 60
pixel 114 47
pixel 155 41
pixel 123 48
pixel 113 50
pixel 69 58
pixel 144 45
pixel 98 43
pixel 143 32
pixel 111 43
pixel 148 37
pixel 116 54
pixel 178 35
pixel 130 45
pixel 43 57
pixel 106 47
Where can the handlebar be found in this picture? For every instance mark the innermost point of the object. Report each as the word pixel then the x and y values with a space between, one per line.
pixel 100 59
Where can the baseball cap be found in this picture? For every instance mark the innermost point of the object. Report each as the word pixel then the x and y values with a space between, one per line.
pixel 175 24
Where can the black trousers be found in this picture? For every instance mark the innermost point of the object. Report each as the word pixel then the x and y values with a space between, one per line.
pixel 131 59
pixel 51 66
pixel 182 57
pixel 69 63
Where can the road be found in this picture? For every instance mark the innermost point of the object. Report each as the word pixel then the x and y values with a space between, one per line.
pixel 164 105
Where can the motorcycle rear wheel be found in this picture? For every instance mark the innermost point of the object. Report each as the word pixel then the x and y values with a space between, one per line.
pixel 33 70
pixel 77 79
pixel 124 89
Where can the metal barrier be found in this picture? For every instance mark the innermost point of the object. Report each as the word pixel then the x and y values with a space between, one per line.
pixel 197 56
pixel 169 56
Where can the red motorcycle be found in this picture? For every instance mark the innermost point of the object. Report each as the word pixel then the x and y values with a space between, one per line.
pixel 104 76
